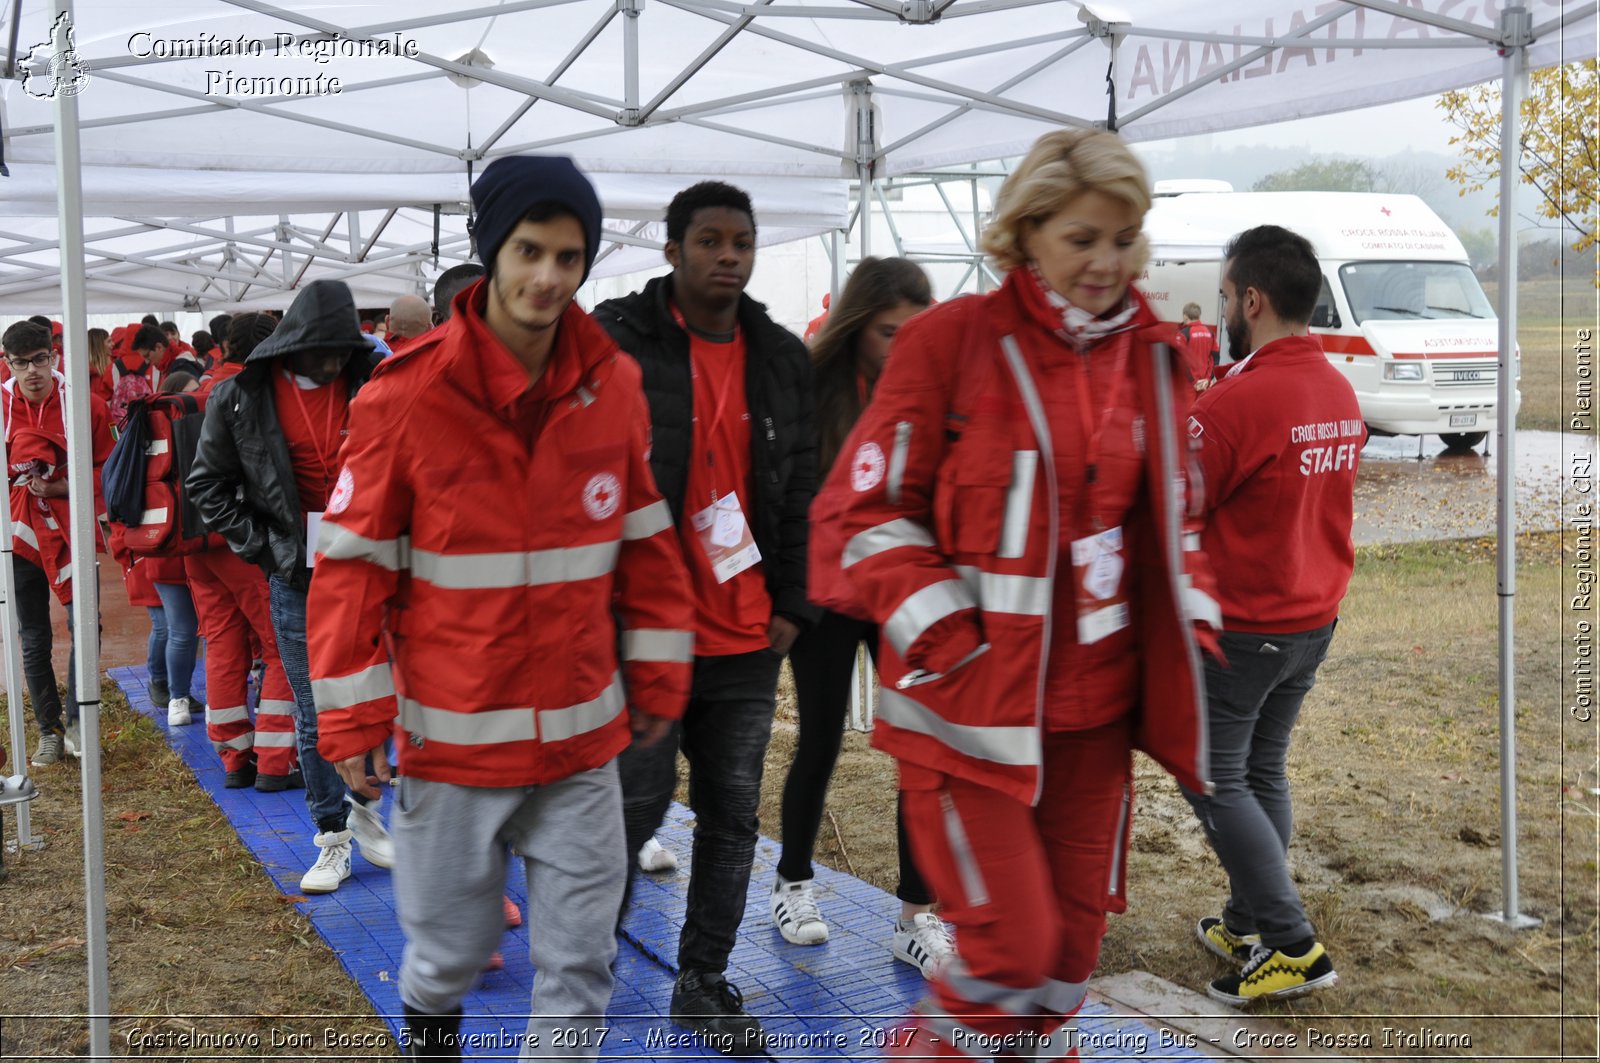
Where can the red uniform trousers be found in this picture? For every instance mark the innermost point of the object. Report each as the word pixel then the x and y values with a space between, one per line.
pixel 230 598
pixel 1027 890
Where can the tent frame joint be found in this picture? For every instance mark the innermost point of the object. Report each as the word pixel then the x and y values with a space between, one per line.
pixel 1516 29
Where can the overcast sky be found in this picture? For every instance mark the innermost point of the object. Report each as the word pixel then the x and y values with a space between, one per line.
pixel 1416 124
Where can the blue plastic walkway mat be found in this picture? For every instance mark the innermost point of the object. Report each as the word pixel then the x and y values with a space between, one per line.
pixel 838 1000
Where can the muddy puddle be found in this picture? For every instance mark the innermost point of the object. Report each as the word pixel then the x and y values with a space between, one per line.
pixel 1451 494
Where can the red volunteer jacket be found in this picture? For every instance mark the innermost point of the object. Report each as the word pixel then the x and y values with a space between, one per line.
pixel 494 570
pixel 1280 436
pixel 1197 348
pixel 941 514
pixel 41 529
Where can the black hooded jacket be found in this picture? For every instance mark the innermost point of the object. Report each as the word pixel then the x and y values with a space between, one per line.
pixel 242 480
pixel 783 437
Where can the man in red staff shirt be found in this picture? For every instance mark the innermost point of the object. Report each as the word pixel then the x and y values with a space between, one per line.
pixel 1279 436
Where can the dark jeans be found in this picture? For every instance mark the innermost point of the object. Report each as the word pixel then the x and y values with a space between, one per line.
pixel 324 787
pixel 724 734
pixel 823 659
pixel 38 642
pixel 1252 705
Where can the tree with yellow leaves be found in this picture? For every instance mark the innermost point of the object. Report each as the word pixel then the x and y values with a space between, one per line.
pixel 1560 145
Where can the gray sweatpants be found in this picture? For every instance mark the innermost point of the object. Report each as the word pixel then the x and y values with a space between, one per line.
pixel 451 844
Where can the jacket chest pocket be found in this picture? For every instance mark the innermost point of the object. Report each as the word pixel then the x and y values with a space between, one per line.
pixel 983 501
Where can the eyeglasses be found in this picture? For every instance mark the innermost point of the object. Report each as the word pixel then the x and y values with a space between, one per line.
pixel 40 360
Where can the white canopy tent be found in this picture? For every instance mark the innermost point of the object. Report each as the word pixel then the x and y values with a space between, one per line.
pixel 214 241
pixel 827 89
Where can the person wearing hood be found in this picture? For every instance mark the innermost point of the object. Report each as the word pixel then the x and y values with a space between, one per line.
pixel 36 440
pixel 263 474
pixel 232 605
pixel 498 575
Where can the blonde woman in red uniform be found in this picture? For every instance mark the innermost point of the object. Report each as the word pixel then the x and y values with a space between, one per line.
pixel 1011 511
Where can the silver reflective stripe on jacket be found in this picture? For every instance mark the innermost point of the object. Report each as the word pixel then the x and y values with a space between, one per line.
pixel 925 608
pixel 1172 542
pixel 643 523
pixel 499 726
pixel 529 568
pixel 658 644
pixel 1041 432
pixel 890 535
pixel 1019 503
pixel 897 461
pixel 1019 595
pixel 342 691
pixel 1016 746
pixel 338 543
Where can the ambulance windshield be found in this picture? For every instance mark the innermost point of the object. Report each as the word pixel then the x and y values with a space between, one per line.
pixel 1413 291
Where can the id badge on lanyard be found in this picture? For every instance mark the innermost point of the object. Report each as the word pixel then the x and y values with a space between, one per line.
pixel 726 538
pixel 313 529
pixel 1098 564
pixel 1099 560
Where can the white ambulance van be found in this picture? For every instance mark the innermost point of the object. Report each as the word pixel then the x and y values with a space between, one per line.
pixel 1401 313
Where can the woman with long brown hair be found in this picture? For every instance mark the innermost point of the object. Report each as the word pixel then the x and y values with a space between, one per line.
pixel 848 356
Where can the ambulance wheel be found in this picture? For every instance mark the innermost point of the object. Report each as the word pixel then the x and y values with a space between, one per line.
pixel 1462 440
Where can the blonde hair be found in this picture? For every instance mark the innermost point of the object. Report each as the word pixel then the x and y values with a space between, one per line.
pixel 1060 167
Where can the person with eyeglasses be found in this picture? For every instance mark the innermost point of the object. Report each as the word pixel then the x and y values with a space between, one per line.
pixel 36 449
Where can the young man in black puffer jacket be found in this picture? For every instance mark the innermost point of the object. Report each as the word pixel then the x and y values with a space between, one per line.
pixel 734 454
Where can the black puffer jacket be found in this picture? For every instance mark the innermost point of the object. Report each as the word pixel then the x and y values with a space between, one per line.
pixel 242 480
pixel 783 437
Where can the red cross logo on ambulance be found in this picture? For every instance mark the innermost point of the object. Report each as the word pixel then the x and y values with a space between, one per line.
pixel 866 471
pixel 343 491
pixel 602 495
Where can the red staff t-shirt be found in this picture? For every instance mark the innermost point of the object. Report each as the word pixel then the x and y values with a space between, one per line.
pixel 730 617
pixel 314 423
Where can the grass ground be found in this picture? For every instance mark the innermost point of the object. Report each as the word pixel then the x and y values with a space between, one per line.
pixel 1397 853
pixel 195 926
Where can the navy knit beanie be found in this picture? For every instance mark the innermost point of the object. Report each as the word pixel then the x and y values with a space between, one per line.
pixel 511 185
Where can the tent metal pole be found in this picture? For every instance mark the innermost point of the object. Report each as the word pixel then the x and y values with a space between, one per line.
pixel 1516 25
pixel 85 581
pixel 836 241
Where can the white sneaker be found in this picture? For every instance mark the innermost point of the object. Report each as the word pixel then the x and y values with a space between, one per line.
pixel 333 863
pixel 74 739
pixel 925 943
pixel 653 856
pixel 366 824
pixel 178 714
pixel 795 912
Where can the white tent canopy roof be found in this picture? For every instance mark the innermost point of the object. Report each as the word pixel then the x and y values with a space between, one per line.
pixel 217 240
pixel 783 87
pixel 789 98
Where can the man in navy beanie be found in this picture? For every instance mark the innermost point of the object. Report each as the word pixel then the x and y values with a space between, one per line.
pixel 496 534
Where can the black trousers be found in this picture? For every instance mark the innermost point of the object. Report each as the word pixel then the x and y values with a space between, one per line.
pixel 33 618
pixel 723 734
pixel 823 659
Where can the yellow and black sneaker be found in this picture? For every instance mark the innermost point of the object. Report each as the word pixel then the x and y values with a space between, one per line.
pixel 1271 975
pixel 1215 936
